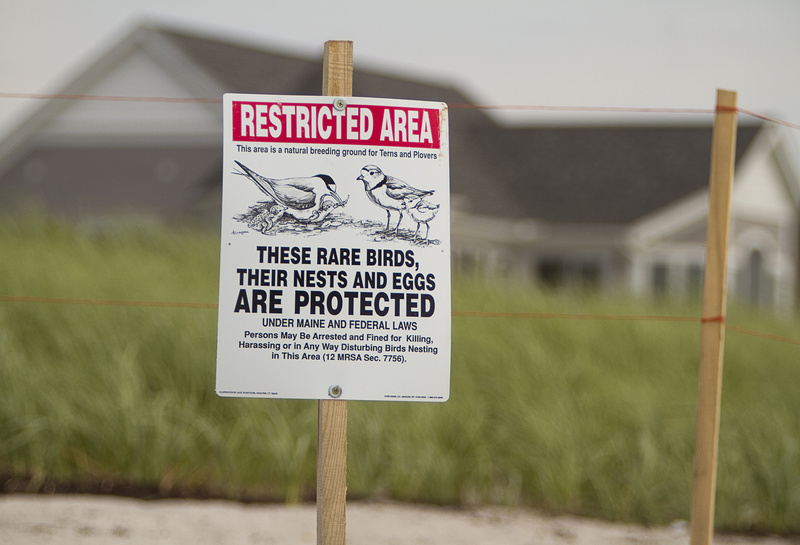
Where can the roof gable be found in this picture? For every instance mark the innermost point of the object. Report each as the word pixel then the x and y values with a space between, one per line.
pixel 242 68
pixel 141 74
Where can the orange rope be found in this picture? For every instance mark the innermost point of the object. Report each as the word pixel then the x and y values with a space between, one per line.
pixel 106 302
pixel 475 314
pixel 771 336
pixel 456 313
pixel 111 98
pixel 622 109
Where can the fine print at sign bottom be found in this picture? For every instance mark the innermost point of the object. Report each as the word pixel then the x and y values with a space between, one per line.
pixel 386 348
pixel 334 271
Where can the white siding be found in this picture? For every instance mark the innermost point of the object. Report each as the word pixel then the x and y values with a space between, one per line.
pixel 137 75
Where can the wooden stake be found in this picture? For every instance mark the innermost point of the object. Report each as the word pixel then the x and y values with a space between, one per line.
pixel 723 148
pixel 337 80
pixel 332 472
pixel 337 69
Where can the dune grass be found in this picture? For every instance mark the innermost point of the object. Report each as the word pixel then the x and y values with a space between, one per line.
pixel 591 416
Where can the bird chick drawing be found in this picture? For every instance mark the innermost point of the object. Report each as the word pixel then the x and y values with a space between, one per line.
pixel 304 199
pixel 421 211
pixel 388 193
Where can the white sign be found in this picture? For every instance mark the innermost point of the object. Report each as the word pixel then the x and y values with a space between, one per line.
pixel 335 257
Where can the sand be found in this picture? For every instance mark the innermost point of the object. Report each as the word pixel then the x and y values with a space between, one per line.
pixel 89 520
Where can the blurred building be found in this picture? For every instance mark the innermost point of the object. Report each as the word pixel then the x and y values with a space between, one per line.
pixel 625 209
pixel 613 208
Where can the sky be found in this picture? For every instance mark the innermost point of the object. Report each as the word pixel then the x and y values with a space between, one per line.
pixel 604 53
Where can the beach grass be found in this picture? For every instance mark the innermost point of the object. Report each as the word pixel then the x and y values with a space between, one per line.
pixel 554 404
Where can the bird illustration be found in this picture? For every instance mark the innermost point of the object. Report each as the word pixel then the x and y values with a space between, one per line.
pixel 421 211
pixel 388 192
pixel 304 199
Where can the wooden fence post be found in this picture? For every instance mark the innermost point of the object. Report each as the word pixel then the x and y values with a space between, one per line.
pixel 723 154
pixel 337 80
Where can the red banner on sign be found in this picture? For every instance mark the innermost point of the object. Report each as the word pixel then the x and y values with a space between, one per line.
pixel 303 123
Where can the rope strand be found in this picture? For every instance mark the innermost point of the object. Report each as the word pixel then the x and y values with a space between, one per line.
pixel 518 107
pixel 455 313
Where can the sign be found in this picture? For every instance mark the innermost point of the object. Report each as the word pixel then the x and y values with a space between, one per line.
pixel 335 249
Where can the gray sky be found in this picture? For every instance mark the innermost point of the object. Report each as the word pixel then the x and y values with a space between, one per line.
pixel 615 53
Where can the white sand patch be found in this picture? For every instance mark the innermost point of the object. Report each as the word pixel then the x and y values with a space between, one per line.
pixel 89 520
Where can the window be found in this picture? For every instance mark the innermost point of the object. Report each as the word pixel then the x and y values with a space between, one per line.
pixel 755 273
pixel 590 275
pixel 694 279
pixel 551 273
pixel 557 273
pixel 660 279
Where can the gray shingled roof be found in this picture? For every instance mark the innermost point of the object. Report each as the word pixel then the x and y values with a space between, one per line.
pixel 576 175
pixel 245 69
pixel 597 174
pixel 157 182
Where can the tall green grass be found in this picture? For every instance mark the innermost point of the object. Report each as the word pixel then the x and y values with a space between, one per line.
pixel 582 416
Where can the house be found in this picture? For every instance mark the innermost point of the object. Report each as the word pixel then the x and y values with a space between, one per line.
pixel 625 208
pixel 112 158
pixel 619 208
